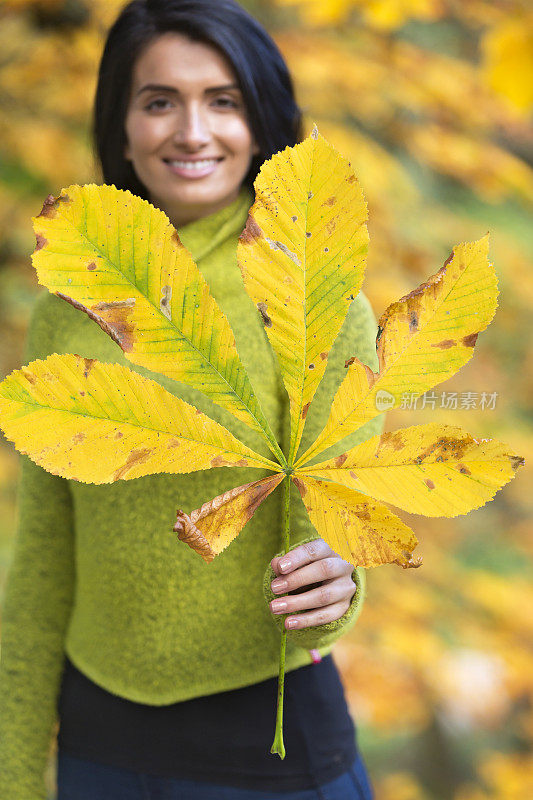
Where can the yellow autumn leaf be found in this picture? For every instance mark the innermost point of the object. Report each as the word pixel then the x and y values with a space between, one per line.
pixel 358 528
pixel 435 470
pixel 508 59
pixel 302 256
pixel 99 423
pixel 321 12
pixel 119 259
pixel 210 528
pixel 423 339
pixel 390 14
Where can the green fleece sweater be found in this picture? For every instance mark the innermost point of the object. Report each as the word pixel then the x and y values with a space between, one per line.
pixel 97 572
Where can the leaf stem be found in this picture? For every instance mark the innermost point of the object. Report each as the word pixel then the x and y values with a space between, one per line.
pixel 277 745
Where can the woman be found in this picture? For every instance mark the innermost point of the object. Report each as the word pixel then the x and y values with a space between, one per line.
pixel 161 669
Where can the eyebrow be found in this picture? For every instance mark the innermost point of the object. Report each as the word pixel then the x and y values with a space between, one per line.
pixel 157 87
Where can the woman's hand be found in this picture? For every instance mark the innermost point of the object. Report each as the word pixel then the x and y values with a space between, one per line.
pixel 316 564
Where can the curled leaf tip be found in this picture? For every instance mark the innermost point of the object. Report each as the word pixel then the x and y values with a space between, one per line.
pixel 189 533
pixel 409 562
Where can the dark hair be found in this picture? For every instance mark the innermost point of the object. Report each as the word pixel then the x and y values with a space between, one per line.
pixel 265 82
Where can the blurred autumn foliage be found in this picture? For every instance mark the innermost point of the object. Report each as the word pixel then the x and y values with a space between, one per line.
pixel 431 101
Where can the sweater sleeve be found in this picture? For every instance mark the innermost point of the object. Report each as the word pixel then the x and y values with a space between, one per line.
pixel 356 338
pixel 36 611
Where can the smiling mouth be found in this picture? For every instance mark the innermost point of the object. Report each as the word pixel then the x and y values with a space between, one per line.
pixel 192 165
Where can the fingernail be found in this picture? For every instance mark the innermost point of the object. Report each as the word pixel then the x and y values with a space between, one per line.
pixel 278 586
pixel 285 564
pixel 291 623
pixel 278 605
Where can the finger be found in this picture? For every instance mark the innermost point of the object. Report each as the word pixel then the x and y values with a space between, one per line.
pixel 329 593
pixel 318 571
pixel 301 555
pixel 320 616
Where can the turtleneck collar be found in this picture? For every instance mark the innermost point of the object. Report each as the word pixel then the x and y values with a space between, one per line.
pixel 204 235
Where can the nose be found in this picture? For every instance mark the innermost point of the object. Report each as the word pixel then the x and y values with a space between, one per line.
pixel 192 129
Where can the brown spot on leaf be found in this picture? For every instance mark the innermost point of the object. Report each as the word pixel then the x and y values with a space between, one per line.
pixel 115 316
pixel 444 344
pixel 308 234
pixel 517 461
pixel 330 227
pixel 470 340
pixel 413 321
pixel 353 475
pixel 220 461
pixel 135 457
pixel 330 201
pixel 351 178
pixel 82 394
pixel 311 366
pixel 429 483
pixel 464 469
pixel 326 249
pixel 164 303
pixel 310 195
pixel 445 448
pixel 78 437
pixel 275 245
pixel 50 205
pixel 305 409
pixel 251 232
pixel 119 435
pixel 262 306
pixel 433 280
pixel 323 356
pixel 294 218
pixel 392 439
pixel 300 485
pixel 30 377
pixel 88 365
pixel 40 242
pixel 339 461
pixel 112 319
pixel 91 266
pixel 349 361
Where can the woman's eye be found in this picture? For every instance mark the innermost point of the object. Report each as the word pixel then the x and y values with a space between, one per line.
pixel 226 102
pixel 157 104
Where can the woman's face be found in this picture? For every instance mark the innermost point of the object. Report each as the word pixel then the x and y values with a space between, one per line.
pixel 187 132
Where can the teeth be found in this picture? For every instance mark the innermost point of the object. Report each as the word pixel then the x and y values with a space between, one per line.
pixel 192 165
